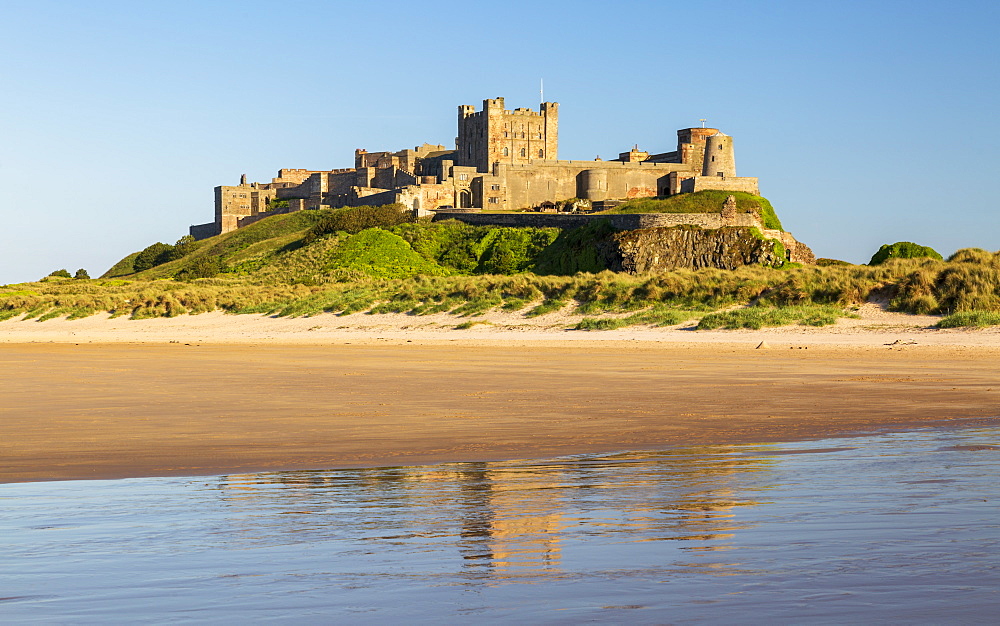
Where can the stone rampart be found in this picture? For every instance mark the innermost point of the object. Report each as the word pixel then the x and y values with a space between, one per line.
pixel 204 231
pixel 620 221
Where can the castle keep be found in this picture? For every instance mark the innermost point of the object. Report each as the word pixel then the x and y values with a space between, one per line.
pixel 502 160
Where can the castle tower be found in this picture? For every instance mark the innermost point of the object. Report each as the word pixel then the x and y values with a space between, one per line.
pixel 719 158
pixel 496 135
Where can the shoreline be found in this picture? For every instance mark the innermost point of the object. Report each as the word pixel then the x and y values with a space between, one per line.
pixel 152 405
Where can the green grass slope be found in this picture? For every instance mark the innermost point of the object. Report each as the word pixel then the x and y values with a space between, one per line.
pixel 310 247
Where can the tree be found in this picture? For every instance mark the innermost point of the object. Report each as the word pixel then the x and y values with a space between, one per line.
pixel 152 256
pixel 81 274
pixel 61 274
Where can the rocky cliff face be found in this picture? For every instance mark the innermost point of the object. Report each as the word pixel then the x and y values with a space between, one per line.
pixel 660 249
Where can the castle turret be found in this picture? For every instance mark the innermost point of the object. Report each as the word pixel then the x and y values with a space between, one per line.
pixel 719 158
pixel 593 185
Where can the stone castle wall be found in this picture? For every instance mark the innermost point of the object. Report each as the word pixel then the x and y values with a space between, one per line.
pixel 528 186
pixel 503 160
pixel 620 221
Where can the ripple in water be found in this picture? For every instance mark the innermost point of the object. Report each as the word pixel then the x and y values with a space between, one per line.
pixel 898 527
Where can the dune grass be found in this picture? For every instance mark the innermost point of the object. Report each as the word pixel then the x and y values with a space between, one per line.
pixel 757 317
pixel 971 319
pixel 809 295
pixel 301 264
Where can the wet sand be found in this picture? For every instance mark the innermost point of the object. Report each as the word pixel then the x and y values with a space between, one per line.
pixel 112 410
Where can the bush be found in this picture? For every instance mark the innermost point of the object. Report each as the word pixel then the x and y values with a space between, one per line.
pixel 513 250
pixel 903 250
pixel 61 274
pixel 382 254
pixel 153 255
pixel 450 243
pixel 576 250
pixel 81 274
pixel 205 267
pixel 356 219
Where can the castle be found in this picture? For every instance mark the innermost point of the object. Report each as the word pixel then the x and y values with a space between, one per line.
pixel 502 160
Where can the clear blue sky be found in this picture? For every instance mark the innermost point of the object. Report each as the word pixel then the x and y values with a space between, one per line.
pixel 867 122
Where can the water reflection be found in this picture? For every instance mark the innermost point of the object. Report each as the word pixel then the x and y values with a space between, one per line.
pixel 894 528
pixel 506 520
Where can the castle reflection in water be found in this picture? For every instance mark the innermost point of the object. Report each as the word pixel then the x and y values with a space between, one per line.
pixel 503 520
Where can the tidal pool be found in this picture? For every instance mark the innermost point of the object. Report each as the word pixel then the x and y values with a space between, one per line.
pixel 899 527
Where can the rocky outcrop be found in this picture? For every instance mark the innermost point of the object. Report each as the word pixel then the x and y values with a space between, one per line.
pixel 660 249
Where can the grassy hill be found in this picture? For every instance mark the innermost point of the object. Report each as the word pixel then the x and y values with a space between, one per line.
pixel 336 261
pixel 314 246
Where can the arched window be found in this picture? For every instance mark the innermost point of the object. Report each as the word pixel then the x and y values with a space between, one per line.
pixel 505 152
pixel 524 152
pixel 541 154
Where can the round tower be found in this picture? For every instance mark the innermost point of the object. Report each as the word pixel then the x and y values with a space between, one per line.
pixel 593 185
pixel 719 159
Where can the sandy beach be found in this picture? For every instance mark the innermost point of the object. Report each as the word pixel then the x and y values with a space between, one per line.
pixel 216 394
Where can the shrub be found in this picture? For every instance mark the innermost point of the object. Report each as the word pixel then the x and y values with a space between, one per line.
pixel 382 254
pixel 513 250
pixel 356 219
pixel 61 274
pixel 903 250
pixel 450 243
pixel 576 250
pixel 153 255
pixel 205 267
pixel 81 274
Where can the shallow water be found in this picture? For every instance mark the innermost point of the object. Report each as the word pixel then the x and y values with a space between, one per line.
pixel 899 527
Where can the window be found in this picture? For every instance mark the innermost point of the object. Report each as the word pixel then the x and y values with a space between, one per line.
pixel 495 187
pixel 505 152
pixel 463 177
pixel 524 152
pixel 541 153
pixel 504 133
pixel 494 200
